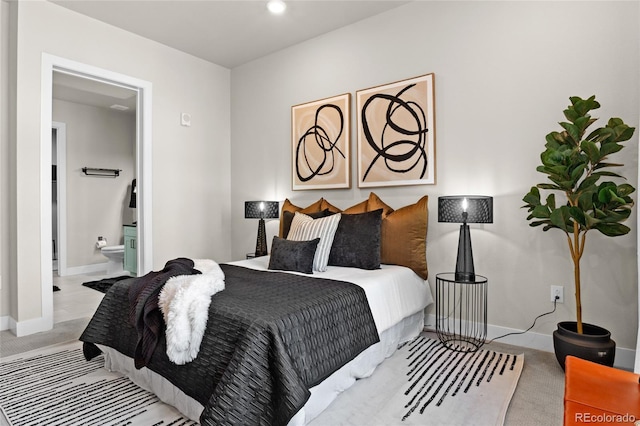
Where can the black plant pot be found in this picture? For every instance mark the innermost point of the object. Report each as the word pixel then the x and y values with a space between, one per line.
pixel 594 344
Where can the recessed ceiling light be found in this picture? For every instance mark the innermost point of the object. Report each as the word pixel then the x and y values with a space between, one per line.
pixel 119 107
pixel 276 6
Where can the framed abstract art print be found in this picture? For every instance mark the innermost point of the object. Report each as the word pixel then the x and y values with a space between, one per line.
pixel 396 133
pixel 320 140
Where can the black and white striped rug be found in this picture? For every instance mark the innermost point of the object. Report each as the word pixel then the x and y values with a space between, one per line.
pixel 57 386
pixel 422 383
pixel 449 387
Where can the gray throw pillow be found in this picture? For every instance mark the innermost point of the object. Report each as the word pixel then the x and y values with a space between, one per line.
pixel 356 243
pixel 297 256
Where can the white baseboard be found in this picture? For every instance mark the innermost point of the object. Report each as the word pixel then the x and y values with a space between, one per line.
pixel 625 358
pixel 4 323
pixel 86 269
pixel 25 328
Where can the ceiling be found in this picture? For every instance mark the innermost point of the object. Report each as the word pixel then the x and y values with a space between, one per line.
pixel 228 33
pixel 95 93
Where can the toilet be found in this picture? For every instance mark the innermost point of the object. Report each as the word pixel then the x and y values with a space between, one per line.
pixel 115 254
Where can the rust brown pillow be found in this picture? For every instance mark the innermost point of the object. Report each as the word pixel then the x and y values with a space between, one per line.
pixel 358 208
pixel 404 237
pixel 375 203
pixel 325 205
pixel 288 206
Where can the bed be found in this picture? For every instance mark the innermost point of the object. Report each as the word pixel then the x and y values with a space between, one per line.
pixel 280 345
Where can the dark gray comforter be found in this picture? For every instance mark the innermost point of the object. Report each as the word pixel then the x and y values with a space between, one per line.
pixel 270 337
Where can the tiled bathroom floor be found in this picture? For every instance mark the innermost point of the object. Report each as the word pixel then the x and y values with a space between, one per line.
pixel 74 300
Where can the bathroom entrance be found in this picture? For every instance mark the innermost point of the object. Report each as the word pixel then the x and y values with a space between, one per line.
pixel 142 165
pixel 99 152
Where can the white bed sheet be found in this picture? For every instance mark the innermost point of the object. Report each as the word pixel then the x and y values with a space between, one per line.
pixel 397 297
pixel 394 292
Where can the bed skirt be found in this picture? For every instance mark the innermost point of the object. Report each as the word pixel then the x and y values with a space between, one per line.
pixel 322 395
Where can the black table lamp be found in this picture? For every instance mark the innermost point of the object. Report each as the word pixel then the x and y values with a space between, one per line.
pixel 465 209
pixel 261 210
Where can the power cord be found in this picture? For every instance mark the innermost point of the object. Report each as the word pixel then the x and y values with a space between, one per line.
pixel 555 301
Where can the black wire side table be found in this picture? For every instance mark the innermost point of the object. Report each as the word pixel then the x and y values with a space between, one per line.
pixel 461 311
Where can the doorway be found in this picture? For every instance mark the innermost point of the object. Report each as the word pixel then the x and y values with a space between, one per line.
pixel 51 64
pixel 101 121
pixel 59 196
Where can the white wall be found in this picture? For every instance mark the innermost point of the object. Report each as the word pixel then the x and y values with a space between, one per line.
pixel 504 72
pixel 97 206
pixel 190 164
pixel 4 154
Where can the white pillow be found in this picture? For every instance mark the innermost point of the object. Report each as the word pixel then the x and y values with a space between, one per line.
pixel 306 228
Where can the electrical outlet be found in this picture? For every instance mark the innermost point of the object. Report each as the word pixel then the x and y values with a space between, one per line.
pixel 557 291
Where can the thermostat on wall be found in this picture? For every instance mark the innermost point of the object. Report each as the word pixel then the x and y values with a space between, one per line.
pixel 185 119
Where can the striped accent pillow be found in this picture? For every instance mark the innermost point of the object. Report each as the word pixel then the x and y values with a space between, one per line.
pixel 305 228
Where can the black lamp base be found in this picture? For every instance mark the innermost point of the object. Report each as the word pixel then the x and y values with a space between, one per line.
pixel 261 241
pixel 464 264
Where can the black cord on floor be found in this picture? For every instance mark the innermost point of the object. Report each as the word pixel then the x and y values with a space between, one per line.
pixel 532 325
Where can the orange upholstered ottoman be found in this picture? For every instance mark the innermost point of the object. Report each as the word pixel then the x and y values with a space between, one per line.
pixel 599 395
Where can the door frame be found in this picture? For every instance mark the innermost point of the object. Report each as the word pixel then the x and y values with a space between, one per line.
pixel 51 63
pixel 61 183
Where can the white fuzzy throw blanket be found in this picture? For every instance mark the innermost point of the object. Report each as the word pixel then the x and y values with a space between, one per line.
pixel 184 302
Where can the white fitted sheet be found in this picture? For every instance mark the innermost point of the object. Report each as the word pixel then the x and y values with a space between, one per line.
pixel 397 297
pixel 394 292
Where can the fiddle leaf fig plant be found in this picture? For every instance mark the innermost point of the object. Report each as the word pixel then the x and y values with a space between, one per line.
pixel 578 172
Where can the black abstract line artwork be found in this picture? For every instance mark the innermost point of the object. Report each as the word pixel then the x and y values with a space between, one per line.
pixel 320 144
pixel 395 133
pixel 410 149
pixel 318 136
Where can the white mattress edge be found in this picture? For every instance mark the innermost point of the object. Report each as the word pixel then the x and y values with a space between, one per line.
pixel 322 395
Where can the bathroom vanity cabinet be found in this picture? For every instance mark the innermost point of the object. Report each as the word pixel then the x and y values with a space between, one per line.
pixel 130 249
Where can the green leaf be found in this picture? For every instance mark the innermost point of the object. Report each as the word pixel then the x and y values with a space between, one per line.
pixel 592 150
pixel 603 165
pixel 625 189
pixel 571 114
pixel 614 122
pixel 577 173
pixel 548 186
pixel 605 192
pixel 532 198
pixel 590 221
pixel 588 181
pixel 627 134
pixel 612 230
pixel 573 131
pixel 583 122
pixel 585 201
pixel 609 148
pixel 561 218
pixel 578 215
pixel 551 201
pixel 539 222
pixel 540 212
pixel 606 173
pixel 554 140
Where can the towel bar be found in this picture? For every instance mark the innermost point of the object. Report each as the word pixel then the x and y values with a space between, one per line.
pixel 92 171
